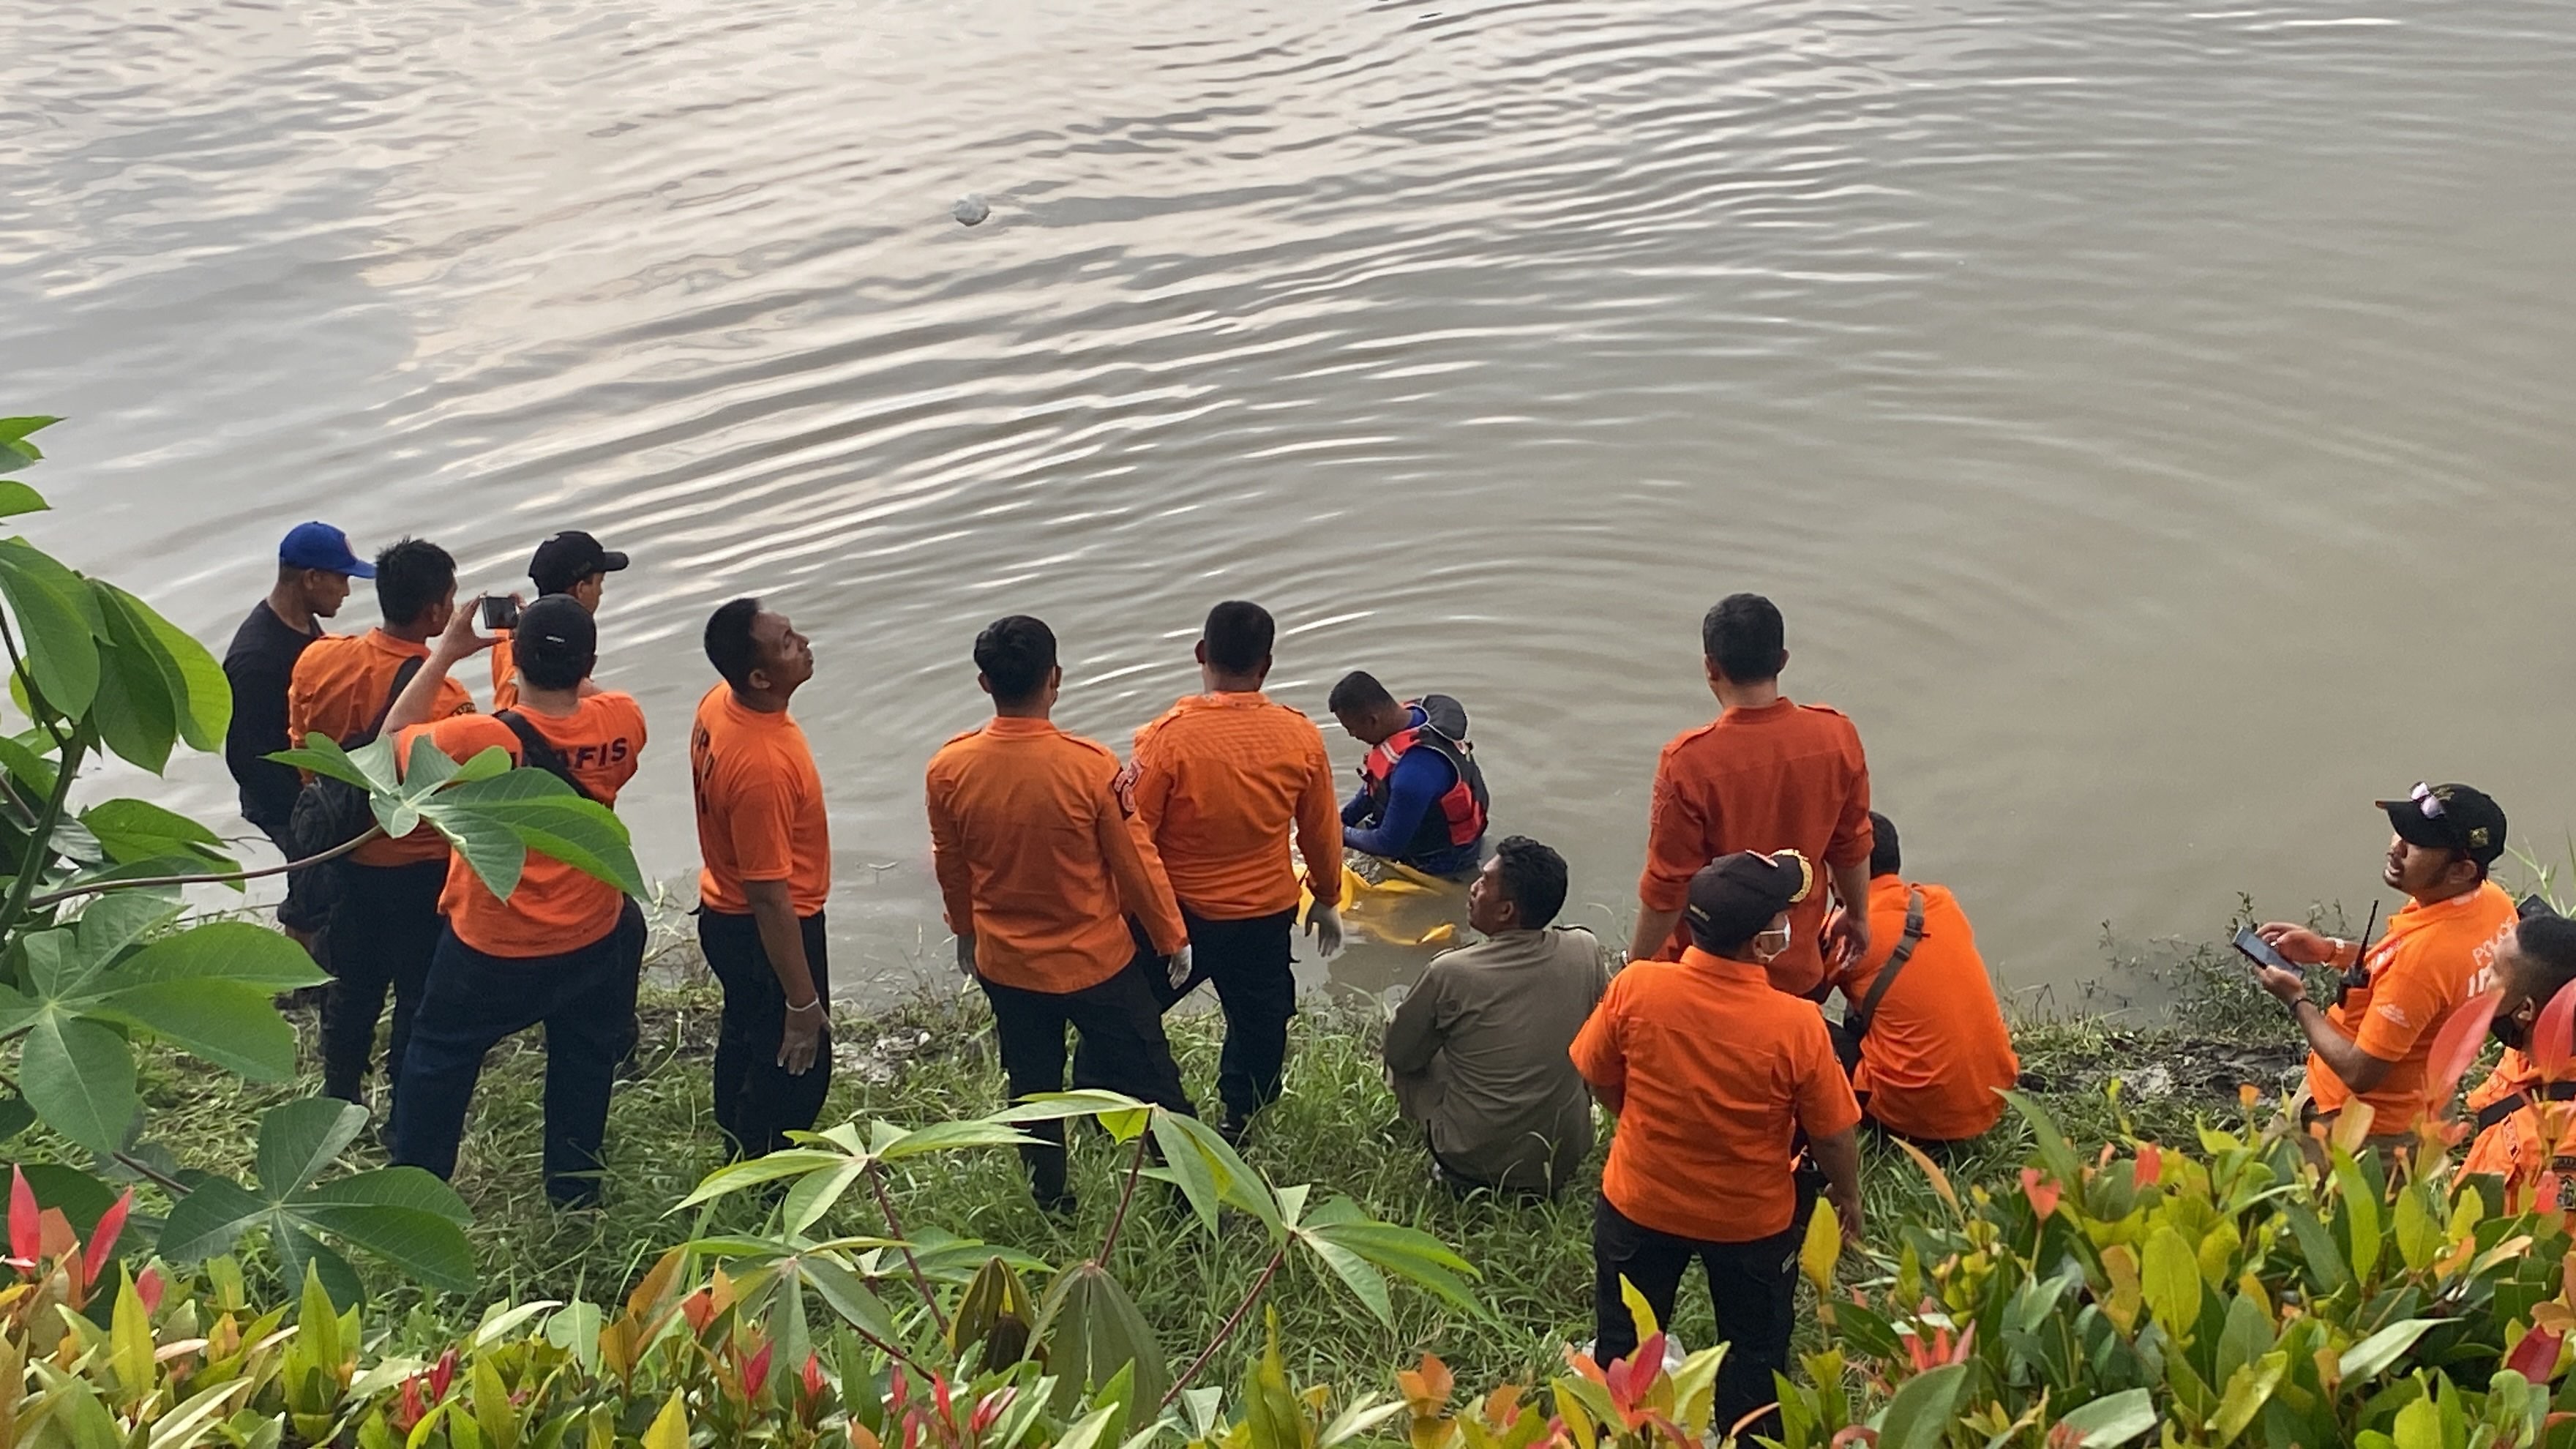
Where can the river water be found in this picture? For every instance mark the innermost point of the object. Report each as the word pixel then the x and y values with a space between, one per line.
pixel 2154 418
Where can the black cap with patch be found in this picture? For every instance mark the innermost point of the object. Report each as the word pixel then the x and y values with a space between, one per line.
pixel 2450 817
pixel 1735 896
pixel 569 557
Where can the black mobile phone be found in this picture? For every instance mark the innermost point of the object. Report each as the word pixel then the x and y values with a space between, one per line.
pixel 500 611
pixel 2259 951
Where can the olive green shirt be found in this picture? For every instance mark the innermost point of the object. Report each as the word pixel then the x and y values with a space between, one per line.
pixel 1478 1055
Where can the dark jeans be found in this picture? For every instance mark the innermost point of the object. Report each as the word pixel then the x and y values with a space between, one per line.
pixel 759 1102
pixel 1248 960
pixel 1753 1287
pixel 1124 1050
pixel 384 928
pixel 586 999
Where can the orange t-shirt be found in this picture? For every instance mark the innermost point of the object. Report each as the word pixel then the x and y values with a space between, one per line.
pixel 2538 1140
pixel 1716 1073
pixel 1938 1048
pixel 2432 959
pixel 1782 777
pixel 1218 783
pixel 1036 857
pixel 556 908
pixel 342 684
pixel 760 806
pixel 505 673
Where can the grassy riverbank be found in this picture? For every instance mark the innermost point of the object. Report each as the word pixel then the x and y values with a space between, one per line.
pixel 1337 1128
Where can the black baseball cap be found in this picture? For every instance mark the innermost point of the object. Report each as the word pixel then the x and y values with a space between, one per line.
pixel 1735 896
pixel 569 557
pixel 557 630
pixel 2450 817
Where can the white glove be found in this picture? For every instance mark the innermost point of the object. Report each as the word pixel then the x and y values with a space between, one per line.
pixel 966 954
pixel 1180 967
pixel 1325 925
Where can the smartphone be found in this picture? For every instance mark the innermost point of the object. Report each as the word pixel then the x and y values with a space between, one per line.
pixel 500 611
pixel 2259 951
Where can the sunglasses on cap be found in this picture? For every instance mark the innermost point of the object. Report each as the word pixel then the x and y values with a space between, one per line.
pixel 2426 801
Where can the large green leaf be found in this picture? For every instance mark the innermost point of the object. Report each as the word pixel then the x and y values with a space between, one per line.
pixel 369 767
pixel 235 951
pixel 79 1076
pixel 2373 1355
pixel 392 1214
pixel 299 1139
pixel 14 433
pixel 2109 1421
pixel 112 922
pixel 234 1026
pixel 1919 1416
pixel 58 625
pixel 205 695
pixel 17 498
pixel 408 1188
pixel 549 818
pixel 140 692
pixel 489 848
pixel 1092 1330
pixel 131 830
pixel 209 1220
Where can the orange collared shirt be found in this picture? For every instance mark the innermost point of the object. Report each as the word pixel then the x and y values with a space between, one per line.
pixel 760 806
pixel 1218 783
pixel 1937 1049
pixel 505 673
pixel 2432 959
pixel 341 686
pixel 556 907
pixel 1782 777
pixel 1036 857
pixel 1716 1073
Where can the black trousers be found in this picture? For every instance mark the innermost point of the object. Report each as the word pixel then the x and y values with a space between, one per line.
pixel 586 999
pixel 384 928
pixel 1248 960
pixel 1753 1287
pixel 1120 1023
pixel 759 1102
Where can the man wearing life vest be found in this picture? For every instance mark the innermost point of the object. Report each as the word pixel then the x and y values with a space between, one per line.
pixel 2525 1114
pixel 1422 799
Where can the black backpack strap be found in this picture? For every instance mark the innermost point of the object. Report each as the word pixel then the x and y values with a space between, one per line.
pixel 2503 1107
pixel 402 680
pixel 535 749
pixel 1896 959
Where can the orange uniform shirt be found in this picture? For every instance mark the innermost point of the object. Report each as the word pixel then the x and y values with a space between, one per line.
pixel 1938 1049
pixel 1036 857
pixel 505 673
pixel 1717 1073
pixel 2432 959
pixel 341 686
pixel 1783 777
pixel 760 806
pixel 1218 783
pixel 556 907
pixel 2534 1142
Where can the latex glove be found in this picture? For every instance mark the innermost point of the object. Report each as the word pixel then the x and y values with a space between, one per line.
pixel 1180 967
pixel 1325 924
pixel 966 955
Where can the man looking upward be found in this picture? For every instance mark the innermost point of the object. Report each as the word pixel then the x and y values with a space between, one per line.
pixel 1765 775
pixel 1220 782
pixel 767 845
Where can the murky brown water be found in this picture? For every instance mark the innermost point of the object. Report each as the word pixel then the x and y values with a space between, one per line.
pixel 2154 418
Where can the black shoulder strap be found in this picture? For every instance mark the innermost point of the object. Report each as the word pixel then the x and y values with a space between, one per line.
pixel 402 680
pixel 535 749
pixel 1896 960
pixel 2503 1107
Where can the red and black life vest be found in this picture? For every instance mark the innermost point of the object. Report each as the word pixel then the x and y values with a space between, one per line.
pixel 1460 818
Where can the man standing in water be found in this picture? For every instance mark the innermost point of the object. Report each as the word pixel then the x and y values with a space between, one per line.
pixel 1039 870
pixel 2374 1044
pixel 1766 775
pixel 1422 799
pixel 767 845
pixel 1220 782
pixel 314 566
pixel 571 562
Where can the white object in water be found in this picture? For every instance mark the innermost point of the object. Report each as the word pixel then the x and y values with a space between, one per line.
pixel 970 209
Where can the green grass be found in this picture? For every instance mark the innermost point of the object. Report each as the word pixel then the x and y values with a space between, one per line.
pixel 1337 1128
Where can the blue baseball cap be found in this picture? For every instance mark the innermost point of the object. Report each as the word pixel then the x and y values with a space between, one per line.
pixel 320 546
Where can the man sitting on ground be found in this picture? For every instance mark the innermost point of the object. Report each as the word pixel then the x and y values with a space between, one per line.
pixel 1922 1035
pixel 1477 1052
pixel 1422 799
pixel 1713 1074
pixel 2526 1123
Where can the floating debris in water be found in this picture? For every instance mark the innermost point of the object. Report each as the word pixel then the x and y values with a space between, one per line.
pixel 970 209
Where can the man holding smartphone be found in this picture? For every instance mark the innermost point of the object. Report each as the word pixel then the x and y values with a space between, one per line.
pixel 2373 1045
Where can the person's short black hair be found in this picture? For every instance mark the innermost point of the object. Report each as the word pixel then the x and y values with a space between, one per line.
pixel 1357 693
pixel 729 646
pixel 1885 858
pixel 1238 636
pixel 2549 944
pixel 1015 655
pixel 1534 877
pixel 1745 638
pixel 411 577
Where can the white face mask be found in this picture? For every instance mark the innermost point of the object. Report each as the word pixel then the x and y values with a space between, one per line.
pixel 1770 946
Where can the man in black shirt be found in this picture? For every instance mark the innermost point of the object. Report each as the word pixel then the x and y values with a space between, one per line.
pixel 314 566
